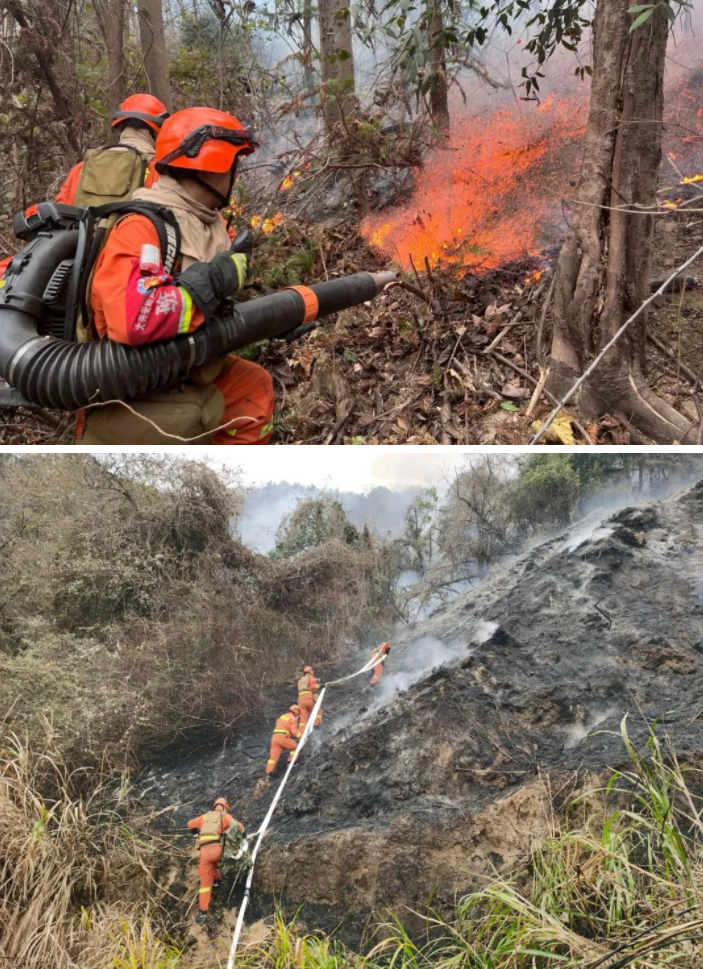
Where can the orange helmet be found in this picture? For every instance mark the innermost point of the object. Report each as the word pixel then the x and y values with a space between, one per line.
pixel 295 709
pixel 221 801
pixel 308 669
pixel 202 140
pixel 142 107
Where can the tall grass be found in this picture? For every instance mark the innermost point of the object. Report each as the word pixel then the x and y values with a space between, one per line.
pixel 76 883
pixel 618 883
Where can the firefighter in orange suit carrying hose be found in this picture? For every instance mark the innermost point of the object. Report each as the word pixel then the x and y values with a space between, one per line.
pixel 308 690
pixel 377 655
pixel 285 736
pixel 211 827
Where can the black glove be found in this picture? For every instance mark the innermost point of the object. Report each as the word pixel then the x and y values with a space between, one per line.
pixel 209 283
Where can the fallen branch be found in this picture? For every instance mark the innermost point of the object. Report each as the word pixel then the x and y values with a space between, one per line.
pixel 609 345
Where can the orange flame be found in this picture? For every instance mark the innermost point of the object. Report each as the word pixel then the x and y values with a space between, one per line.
pixel 289 181
pixel 534 277
pixel 691 179
pixel 477 203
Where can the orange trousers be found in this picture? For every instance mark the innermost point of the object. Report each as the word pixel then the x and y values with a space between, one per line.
pixel 248 392
pixel 377 673
pixel 279 743
pixel 208 871
pixel 306 702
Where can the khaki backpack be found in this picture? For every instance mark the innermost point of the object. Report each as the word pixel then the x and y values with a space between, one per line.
pixel 110 174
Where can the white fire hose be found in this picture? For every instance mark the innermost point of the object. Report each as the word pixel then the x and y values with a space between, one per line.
pixel 277 796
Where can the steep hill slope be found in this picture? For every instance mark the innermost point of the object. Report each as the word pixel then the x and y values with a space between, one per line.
pixel 492 712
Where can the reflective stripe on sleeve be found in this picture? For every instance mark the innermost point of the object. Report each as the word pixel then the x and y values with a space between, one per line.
pixel 186 317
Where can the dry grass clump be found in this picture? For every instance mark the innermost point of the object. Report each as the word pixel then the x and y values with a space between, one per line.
pixel 76 879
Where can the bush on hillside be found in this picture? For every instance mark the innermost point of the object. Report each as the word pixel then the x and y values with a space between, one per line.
pixel 125 593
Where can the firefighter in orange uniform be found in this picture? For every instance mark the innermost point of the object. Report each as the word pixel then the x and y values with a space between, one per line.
pixel 138 120
pixel 285 737
pixel 212 827
pixel 197 151
pixel 377 655
pixel 308 689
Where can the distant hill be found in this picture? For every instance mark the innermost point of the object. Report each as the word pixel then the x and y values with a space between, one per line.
pixel 381 509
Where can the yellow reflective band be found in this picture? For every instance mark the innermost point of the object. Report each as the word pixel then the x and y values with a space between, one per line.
pixel 305 692
pixel 231 431
pixel 186 317
pixel 210 837
pixel 203 890
pixel 285 732
pixel 240 262
pixel 266 429
pixel 146 174
pixel 2 283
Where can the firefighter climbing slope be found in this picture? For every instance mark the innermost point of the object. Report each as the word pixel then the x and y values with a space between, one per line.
pixel 308 690
pixel 211 827
pixel 377 655
pixel 285 736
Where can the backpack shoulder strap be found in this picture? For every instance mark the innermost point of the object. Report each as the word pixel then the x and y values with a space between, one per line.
pixel 163 220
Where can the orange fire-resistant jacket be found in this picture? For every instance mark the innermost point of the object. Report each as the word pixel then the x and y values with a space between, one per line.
pixel 308 684
pixel 130 307
pixel 380 651
pixel 227 822
pixel 289 725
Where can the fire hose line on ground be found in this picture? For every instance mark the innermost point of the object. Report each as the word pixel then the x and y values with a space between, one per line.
pixel 269 814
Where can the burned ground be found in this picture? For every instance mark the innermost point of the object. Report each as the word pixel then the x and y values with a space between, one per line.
pixel 493 712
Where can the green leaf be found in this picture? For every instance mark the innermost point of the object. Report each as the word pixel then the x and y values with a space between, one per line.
pixel 506 405
pixel 639 7
pixel 641 19
pixel 669 12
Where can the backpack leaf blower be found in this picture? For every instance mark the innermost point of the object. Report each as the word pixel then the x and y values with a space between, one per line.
pixel 38 303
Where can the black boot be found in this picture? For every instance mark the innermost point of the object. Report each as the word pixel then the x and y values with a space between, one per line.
pixel 201 917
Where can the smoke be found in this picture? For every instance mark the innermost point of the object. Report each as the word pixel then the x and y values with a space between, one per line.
pixel 381 509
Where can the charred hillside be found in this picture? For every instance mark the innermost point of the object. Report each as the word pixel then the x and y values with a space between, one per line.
pixel 491 714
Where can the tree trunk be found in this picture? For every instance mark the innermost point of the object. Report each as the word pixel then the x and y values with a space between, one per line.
pixel 42 51
pixel 438 95
pixel 154 53
pixel 308 73
pixel 336 63
pixel 113 21
pixel 605 266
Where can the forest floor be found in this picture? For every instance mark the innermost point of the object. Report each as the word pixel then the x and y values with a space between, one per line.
pixel 460 367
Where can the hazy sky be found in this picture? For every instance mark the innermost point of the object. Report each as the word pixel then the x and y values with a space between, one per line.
pixel 348 469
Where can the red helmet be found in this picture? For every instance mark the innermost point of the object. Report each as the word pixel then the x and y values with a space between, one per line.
pixel 308 669
pixel 202 140
pixel 295 709
pixel 221 801
pixel 142 107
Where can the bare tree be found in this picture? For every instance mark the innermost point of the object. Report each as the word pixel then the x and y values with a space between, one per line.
pixel 154 52
pixel 337 62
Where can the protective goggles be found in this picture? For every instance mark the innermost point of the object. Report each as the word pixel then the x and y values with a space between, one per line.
pixel 142 116
pixel 191 146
